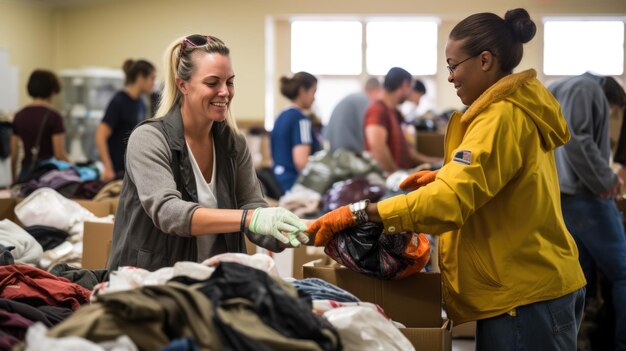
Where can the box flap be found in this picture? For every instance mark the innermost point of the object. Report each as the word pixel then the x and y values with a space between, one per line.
pixel 431 339
pixel 98 208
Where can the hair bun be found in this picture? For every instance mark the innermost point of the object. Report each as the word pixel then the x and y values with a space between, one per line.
pixel 128 65
pixel 523 27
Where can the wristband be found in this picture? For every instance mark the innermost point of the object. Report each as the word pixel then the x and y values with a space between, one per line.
pixel 242 225
pixel 359 211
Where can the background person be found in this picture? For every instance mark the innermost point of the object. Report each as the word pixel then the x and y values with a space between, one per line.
pixel 293 138
pixel 589 186
pixel 38 126
pixel 345 127
pixel 384 137
pixel 125 110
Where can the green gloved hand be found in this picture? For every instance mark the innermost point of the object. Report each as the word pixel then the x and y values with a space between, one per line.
pixel 274 220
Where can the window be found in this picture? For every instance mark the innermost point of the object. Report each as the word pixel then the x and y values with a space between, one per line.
pixel 334 51
pixel 411 45
pixel 572 47
pixel 326 47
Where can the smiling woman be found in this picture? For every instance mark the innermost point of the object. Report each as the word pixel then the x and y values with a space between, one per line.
pixel 517 276
pixel 171 207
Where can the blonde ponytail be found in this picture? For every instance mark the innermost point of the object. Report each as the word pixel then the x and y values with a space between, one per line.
pixel 170 96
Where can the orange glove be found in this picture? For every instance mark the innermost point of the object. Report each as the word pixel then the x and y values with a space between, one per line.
pixel 418 179
pixel 330 224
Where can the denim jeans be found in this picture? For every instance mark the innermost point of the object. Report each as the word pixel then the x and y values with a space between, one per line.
pixel 597 227
pixel 547 325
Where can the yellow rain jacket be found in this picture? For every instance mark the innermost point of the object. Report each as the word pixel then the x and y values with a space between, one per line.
pixel 496 203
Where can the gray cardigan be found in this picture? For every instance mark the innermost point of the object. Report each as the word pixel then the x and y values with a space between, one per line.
pixel 159 196
pixel 583 163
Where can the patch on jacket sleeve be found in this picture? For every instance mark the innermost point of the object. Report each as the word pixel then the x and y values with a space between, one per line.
pixel 463 156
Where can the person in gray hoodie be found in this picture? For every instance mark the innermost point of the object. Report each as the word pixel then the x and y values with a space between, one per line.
pixel 589 185
pixel 190 190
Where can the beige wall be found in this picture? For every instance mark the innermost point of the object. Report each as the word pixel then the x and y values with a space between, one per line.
pixel 27 32
pixel 106 33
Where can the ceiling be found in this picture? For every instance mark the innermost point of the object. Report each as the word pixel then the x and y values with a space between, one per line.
pixel 64 3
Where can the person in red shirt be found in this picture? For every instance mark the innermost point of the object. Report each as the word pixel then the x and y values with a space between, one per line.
pixel 38 126
pixel 384 138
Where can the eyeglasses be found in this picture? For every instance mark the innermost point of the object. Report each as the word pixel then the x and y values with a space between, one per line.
pixel 194 40
pixel 451 68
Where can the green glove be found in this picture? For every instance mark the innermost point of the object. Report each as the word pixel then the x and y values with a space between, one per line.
pixel 274 220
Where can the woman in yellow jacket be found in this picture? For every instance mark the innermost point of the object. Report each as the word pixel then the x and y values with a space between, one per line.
pixel 506 257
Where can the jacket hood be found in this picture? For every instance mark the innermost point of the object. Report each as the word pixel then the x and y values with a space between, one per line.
pixel 527 93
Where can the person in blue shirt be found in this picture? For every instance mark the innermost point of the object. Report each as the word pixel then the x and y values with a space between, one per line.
pixel 125 110
pixel 293 138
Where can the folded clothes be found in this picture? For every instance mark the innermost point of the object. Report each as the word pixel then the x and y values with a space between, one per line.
pixel 48 315
pixel 127 278
pixel 38 340
pixel 6 258
pixel 319 289
pixel 47 237
pixel 86 278
pixel 301 200
pixel 39 288
pixel 258 261
pixel 26 249
pixel 13 324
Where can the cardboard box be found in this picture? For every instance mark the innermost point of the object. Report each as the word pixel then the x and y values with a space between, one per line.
pixel 414 301
pixel 98 208
pixel 465 330
pixel 97 239
pixel 430 339
pixel 303 255
pixel 250 246
pixel 7 207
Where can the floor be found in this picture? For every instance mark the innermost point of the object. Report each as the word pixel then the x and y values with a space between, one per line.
pixel 462 345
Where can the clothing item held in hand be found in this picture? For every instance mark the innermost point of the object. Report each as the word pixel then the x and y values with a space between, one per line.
pixel 365 249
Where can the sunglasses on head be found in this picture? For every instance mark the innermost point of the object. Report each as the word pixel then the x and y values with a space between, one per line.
pixel 194 40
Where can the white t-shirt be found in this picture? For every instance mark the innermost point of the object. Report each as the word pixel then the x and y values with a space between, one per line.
pixel 206 198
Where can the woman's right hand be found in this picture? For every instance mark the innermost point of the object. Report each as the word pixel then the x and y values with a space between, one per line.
pixel 107 175
pixel 418 180
pixel 273 221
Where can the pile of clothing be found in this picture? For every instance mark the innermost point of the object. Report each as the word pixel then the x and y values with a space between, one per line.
pixel 229 302
pixel 52 233
pixel 29 295
pixel 80 181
